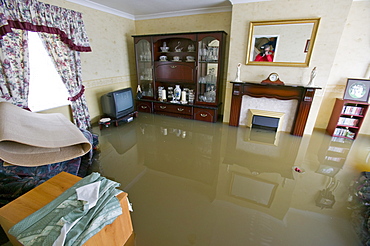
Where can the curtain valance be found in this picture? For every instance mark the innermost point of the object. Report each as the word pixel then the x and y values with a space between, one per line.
pixel 33 15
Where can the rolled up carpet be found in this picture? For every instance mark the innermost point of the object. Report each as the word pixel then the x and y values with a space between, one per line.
pixel 34 139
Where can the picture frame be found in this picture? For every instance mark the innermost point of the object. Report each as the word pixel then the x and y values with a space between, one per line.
pixel 357 90
pixel 263 40
pixel 306 48
pixel 287 53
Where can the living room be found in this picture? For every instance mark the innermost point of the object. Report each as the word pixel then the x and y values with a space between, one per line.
pixel 111 42
pixel 340 52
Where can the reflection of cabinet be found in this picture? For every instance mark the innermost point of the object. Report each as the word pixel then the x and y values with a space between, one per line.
pixel 346 118
pixel 183 149
pixel 333 154
pixel 193 61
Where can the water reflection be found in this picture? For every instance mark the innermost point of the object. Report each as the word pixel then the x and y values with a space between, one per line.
pixel 267 152
pixel 325 198
pixel 196 183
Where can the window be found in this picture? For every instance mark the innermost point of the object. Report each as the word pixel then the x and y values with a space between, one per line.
pixel 46 87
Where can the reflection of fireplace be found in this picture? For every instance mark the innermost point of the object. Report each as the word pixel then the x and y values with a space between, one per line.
pixel 262 136
pixel 304 96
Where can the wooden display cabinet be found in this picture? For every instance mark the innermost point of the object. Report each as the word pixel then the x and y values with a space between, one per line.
pixel 193 61
pixel 346 118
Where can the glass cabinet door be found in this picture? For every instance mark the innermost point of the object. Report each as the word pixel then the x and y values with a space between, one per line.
pixel 208 60
pixel 144 61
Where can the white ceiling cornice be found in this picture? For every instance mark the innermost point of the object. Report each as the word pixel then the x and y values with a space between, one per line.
pixel 251 1
pixel 246 1
pixel 184 12
pixel 103 8
pixel 106 9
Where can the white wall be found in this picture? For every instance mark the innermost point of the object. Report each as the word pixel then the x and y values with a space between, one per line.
pixel 335 36
pixel 352 60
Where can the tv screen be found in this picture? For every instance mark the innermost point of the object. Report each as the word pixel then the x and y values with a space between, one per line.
pixel 123 100
pixel 117 104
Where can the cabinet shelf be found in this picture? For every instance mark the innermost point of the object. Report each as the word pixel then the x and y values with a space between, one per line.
pixel 176 52
pixel 213 61
pixel 353 115
pixel 175 62
pixel 347 126
pixel 338 136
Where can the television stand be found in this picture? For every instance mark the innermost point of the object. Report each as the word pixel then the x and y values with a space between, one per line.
pixel 115 121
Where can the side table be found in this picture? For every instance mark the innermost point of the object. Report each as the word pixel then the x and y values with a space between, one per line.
pixel 116 233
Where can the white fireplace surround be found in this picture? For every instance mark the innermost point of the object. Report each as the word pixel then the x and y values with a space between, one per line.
pixel 288 107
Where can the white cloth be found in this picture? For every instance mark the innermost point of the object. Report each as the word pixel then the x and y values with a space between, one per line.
pixel 89 193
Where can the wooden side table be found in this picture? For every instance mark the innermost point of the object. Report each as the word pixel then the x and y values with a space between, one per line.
pixel 127 118
pixel 116 233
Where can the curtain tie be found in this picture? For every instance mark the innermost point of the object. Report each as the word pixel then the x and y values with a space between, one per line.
pixel 78 95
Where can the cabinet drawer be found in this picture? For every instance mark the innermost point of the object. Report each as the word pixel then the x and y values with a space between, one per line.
pixel 175 72
pixel 173 108
pixel 144 106
pixel 183 116
pixel 209 115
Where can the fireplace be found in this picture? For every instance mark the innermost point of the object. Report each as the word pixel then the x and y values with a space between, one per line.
pixel 268 107
pixel 265 119
pixel 303 95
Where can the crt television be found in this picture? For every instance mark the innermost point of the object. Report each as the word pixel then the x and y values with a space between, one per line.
pixel 117 104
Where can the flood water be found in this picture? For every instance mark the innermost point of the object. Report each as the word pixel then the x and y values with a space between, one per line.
pixel 198 183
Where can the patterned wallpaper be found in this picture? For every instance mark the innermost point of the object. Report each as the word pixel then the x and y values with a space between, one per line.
pixel 334 33
pixel 336 54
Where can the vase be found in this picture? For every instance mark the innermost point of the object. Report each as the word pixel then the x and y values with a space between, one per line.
pixel 177 93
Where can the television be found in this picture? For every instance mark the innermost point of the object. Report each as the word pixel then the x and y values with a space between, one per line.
pixel 117 104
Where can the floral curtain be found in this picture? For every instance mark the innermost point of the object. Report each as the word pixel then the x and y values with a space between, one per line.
pixel 14 69
pixel 64 35
pixel 68 65
pixel 33 15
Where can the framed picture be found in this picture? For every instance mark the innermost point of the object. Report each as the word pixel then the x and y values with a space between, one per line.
pixel 357 90
pixel 307 45
pixel 264 41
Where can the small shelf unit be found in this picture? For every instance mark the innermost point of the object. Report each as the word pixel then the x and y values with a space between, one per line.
pixel 346 118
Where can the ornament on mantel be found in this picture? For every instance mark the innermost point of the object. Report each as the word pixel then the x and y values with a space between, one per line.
pixel 237 78
pixel 313 75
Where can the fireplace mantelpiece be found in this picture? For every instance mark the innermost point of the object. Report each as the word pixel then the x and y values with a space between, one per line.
pixel 303 94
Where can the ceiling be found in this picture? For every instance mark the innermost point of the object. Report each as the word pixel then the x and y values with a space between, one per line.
pixel 149 9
